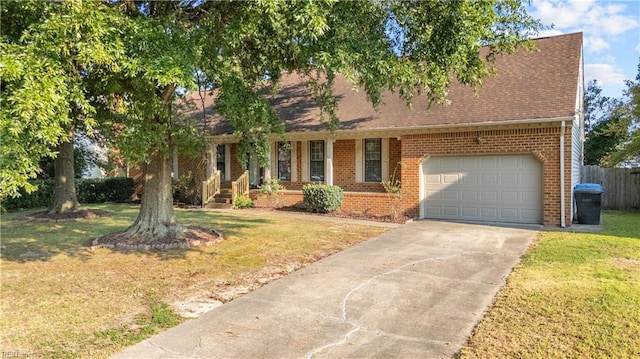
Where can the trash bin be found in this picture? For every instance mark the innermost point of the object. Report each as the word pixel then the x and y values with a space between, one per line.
pixel 588 199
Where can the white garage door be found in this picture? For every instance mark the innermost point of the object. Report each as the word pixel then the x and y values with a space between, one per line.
pixel 483 188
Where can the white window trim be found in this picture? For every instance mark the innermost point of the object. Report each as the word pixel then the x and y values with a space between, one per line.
pixel 305 161
pixel 227 162
pixel 294 160
pixel 384 147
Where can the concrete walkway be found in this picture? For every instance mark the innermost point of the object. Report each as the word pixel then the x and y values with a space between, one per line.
pixel 415 292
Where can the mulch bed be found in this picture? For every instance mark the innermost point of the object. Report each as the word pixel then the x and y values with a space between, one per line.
pixel 340 214
pixel 192 236
pixel 69 216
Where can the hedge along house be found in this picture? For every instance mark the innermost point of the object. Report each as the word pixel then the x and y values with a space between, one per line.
pixel 510 152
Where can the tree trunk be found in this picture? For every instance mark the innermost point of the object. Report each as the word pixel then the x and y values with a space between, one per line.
pixel 156 218
pixel 65 198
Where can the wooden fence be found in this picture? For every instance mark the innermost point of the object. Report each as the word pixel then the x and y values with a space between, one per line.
pixel 621 186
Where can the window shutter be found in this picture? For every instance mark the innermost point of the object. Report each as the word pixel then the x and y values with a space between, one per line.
pixel 305 161
pixel 385 159
pixel 273 159
pixel 294 161
pixel 359 162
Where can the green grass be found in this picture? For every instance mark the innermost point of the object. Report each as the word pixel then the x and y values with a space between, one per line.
pixel 574 295
pixel 61 299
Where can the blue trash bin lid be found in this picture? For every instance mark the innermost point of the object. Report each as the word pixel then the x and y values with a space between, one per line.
pixel 588 188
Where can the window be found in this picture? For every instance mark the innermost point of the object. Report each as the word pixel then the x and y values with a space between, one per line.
pixel 284 161
pixel 316 161
pixel 373 160
pixel 220 165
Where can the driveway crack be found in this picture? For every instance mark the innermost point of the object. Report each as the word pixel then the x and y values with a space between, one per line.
pixel 345 301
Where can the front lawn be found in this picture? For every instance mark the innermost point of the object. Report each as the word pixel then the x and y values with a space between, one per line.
pixel 574 295
pixel 62 299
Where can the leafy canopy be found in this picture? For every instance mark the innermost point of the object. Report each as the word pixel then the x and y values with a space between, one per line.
pixel 119 66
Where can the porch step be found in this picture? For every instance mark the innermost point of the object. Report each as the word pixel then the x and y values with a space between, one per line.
pixel 216 205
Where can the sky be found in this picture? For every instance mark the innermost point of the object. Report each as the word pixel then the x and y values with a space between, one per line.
pixel 611 36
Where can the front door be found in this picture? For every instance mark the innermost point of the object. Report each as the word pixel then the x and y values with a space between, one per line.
pixel 255 173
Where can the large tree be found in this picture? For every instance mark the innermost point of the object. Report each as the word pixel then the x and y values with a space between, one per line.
pixel 629 147
pixel 50 49
pixel 613 125
pixel 242 48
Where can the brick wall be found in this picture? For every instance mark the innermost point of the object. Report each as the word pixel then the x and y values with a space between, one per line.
pixel 543 143
pixel 412 150
pixel 374 204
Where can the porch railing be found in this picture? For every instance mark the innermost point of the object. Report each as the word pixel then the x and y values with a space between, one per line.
pixel 240 187
pixel 210 187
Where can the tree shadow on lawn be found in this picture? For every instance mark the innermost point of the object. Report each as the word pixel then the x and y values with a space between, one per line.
pixel 25 239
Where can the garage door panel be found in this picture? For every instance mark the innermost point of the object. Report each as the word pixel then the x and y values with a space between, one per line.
pixel 489 179
pixel 451 178
pixel 509 213
pixel 451 211
pixel 488 212
pixel 489 196
pixel 470 212
pixel 509 178
pixel 496 188
pixel 470 196
pixel 471 178
pixel 509 196
pixel 488 162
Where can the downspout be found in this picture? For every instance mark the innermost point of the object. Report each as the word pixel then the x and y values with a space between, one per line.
pixel 562 200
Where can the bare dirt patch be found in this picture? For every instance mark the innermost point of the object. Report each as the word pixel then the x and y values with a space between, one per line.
pixel 192 236
pixel 627 263
pixel 69 216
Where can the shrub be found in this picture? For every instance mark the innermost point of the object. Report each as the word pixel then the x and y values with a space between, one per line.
pixel 90 190
pixel 322 198
pixel 243 201
pixel 100 190
pixel 271 187
pixel 185 189
pixel 42 197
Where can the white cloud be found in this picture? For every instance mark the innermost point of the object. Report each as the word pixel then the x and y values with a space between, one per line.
pixel 549 33
pixel 596 44
pixel 638 49
pixel 585 15
pixel 606 74
pixel 617 24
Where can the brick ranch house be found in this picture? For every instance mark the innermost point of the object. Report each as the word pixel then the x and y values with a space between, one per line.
pixel 510 153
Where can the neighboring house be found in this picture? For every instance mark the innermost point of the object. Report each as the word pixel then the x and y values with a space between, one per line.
pixel 510 153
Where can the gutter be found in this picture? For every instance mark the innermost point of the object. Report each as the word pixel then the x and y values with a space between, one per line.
pixel 562 200
pixel 395 131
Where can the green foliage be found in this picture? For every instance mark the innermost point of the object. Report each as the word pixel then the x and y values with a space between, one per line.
pixel 393 185
pixel 42 196
pixel 82 159
pixel 186 190
pixel 48 57
pixel 116 66
pixel 90 190
pixel 110 189
pixel 322 198
pixel 614 135
pixel 243 201
pixel 271 187
pixel 605 136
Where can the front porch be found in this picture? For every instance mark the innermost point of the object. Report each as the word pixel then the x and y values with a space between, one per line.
pixel 358 166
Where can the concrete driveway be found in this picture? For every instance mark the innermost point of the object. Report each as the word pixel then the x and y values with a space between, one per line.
pixel 416 291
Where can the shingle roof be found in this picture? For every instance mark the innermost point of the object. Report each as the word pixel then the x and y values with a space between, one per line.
pixel 529 85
